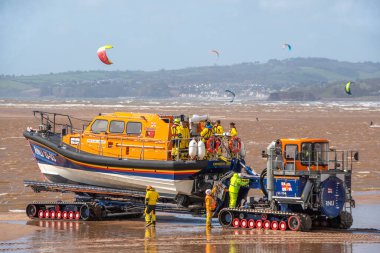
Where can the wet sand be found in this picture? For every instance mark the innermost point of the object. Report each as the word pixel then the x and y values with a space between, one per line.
pixel 179 233
pixel 347 127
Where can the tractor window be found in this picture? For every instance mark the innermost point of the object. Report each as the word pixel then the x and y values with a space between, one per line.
pixel 314 153
pixel 99 125
pixel 134 128
pixel 321 152
pixel 116 126
pixel 306 154
pixel 291 152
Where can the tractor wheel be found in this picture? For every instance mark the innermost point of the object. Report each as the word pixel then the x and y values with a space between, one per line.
pixel 294 223
pixel 31 210
pixel 306 222
pixel 345 220
pixel 225 218
pixel 236 223
pixel 85 212
pixel 243 223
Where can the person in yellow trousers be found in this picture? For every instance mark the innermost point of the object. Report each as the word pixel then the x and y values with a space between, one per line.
pixel 235 183
pixel 150 205
pixel 176 137
pixel 210 204
pixel 184 145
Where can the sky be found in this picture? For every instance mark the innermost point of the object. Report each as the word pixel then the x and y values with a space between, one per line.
pixel 51 36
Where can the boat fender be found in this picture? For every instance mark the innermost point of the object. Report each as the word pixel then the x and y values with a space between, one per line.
pixel 235 145
pixel 201 150
pixel 193 148
pixel 242 151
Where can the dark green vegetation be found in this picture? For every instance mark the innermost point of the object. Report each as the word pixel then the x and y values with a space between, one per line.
pixel 291 79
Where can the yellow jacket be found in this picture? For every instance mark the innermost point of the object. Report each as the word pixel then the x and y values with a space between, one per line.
pixel 236 182
pixel 176 131
pixel 207 133
pixel 151 197
pixel 185 137
pixel 218 129
pixel 209 199
pixel 233 132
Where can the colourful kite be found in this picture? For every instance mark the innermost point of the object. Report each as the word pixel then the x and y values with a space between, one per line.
pixel 102 54
pixel 215 52
pixel 348 88
pixel 289 47
pixel 233 95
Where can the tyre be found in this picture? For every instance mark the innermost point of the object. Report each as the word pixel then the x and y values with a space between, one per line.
pixel 294 223
pixel 306 222
pixel 31 210
pixel 345 219
pixel 85 212
pixel 225 218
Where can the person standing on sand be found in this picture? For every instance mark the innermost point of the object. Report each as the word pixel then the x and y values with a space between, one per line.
pixel 210 206
pixel 150 206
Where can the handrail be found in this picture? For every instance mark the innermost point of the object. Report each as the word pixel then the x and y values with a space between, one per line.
pixel 145 144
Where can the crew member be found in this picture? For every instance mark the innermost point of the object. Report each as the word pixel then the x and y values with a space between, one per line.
pixel 233 132
pixel 210 205
pixel 234 188
pixel 184 145
pixel 218 129
pixel 176 137
pixel 207 132
pixel 150 204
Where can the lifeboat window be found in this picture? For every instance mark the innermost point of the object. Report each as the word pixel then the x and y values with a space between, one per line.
pixel 134 128
pixel 99 125
pixel 116 126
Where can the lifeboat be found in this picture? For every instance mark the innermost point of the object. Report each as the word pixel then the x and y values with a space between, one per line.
pixel 127 150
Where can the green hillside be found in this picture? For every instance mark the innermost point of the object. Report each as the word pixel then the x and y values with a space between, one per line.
pixel 320 77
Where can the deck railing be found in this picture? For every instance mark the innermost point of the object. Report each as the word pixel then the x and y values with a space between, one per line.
pixel 333 159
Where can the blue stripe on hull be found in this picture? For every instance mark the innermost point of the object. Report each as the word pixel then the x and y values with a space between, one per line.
pixel 45 156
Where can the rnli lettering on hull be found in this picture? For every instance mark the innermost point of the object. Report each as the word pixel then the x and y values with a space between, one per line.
pixel 96 141
pixel 44 154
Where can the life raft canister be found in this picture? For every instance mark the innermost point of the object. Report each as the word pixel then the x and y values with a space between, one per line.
pixel 235 145
pixel 212 144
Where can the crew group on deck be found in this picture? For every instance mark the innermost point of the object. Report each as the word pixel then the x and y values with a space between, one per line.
pixel 211 134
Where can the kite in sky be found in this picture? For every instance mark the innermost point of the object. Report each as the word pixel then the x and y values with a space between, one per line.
pixel 102 54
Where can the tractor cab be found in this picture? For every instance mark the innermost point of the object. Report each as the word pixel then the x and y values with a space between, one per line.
pixel 301 154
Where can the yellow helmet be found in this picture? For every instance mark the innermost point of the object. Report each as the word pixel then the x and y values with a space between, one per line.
pixel 176 121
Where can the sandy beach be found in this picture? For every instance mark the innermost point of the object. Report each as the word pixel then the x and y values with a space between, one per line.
pixel 345 125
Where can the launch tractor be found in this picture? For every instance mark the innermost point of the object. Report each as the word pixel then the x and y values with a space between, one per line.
pixel 305 184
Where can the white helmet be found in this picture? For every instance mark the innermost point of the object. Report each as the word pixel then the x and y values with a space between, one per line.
pixel 240 175
pixel 208 192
